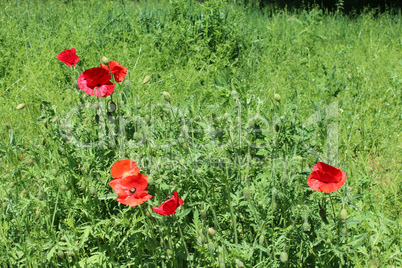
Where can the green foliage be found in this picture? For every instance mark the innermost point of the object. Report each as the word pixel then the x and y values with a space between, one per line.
pixel 208 123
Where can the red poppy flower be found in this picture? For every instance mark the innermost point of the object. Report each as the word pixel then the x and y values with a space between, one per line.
pixel 96 82
pixel 124 168
pixel 326 178
pixel 169 206
pixel 118 70
pixel 131 189
pixel 69 57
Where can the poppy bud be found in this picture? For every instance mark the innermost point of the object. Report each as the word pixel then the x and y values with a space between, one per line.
pixel 211 246
pixel 343 214
pixel 112 106
pixel 261 239
pixel 239 264
pixel 166 96
pixel 40 195
pixel 234 94
pixel 30 162
pixel 306 226
pixel 63 188
pixel 276 127
pixel 203 214
pixel 83 185
pixel 200 240
pixel 60 254
pixel 211 231
pixel 138 105
pixel 127 83
pixel 54 172
pixel 246 193
pixel 277 97
pixel 37 213
pixel 169 252
pixel 147 118
pixel 150 180
pixel 92 190
pixel 283 257
pixel 20 106
pixel 344 231
pixel 105 60
pixel 137 136
pixel 146 79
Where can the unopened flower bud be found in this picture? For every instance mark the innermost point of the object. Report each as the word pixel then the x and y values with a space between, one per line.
pixel 211 231
pixel 277 97
pixel 246 193
pixel 234 94
pixel 211 246
pixel 40 195
pixel 63 188
pixel 105 60
pixel 343 214
pixel 138 105
pixel 55 172
pixel 127 83
pixel 203 214
pixel 60 254
pixel 146 79
pixel 37 213
pixel 239 264
pixel 150 179
pixel 20 106
pixel 147 118
pixel 169 252
pixel 261 239
pixel 306 227
pixel 166 96
pixel 283 257
pixel 92 190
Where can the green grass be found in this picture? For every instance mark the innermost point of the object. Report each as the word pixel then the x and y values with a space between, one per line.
pixel 238 158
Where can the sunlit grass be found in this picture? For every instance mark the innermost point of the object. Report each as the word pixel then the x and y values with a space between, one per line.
pixel 239 158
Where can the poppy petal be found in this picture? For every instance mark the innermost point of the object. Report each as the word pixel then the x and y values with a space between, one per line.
pixel 123 168
pixel 326 178
pixel 134 200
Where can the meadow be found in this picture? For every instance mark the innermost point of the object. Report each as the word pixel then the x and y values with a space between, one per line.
pixel 229 105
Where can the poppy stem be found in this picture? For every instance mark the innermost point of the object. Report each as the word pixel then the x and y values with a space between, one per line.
pixel 334 216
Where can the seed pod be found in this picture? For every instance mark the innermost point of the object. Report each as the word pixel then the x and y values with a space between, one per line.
pixel 105 60
pixel 166 96
pixel 20 106
pixel 211 231
pixel 343 214
pixel 146 79
pixel 277 97
pixel 283 257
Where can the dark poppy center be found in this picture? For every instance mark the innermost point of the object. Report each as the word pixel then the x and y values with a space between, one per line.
pixel 132 190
